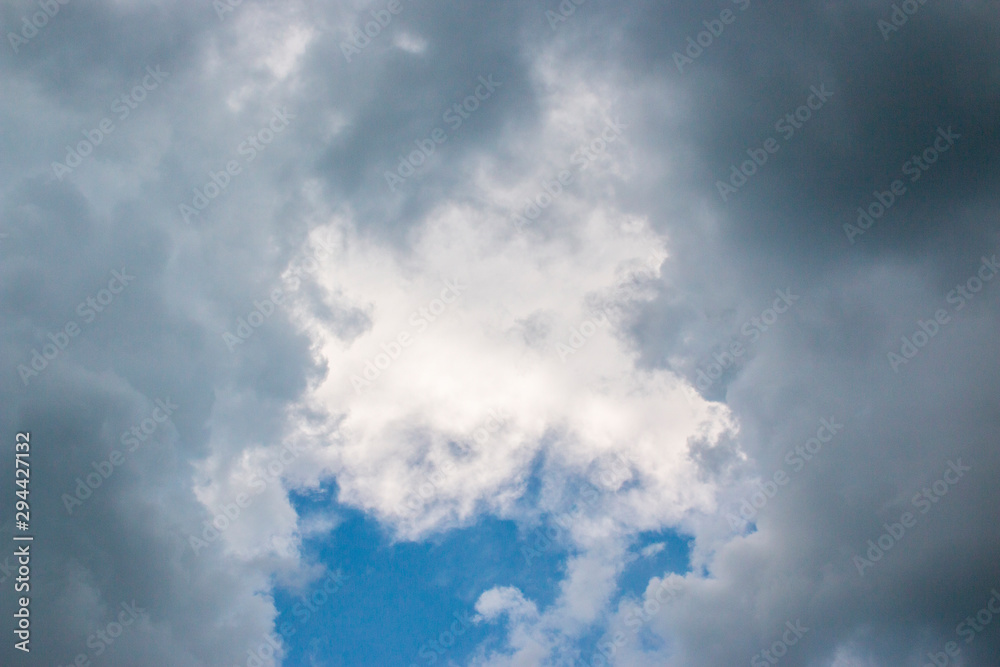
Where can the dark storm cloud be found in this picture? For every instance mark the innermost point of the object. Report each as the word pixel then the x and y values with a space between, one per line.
pixel 785 227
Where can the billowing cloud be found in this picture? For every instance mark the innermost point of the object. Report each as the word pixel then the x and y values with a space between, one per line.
pixel 468 263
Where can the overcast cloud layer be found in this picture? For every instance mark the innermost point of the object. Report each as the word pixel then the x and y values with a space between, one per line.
pixel 629 274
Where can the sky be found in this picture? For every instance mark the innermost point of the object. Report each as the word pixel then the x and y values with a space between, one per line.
pixel 501 334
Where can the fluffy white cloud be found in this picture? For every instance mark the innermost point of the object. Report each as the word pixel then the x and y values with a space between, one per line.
pixel 478 319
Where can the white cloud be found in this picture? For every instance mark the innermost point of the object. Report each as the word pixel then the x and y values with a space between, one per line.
pixel 496 346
